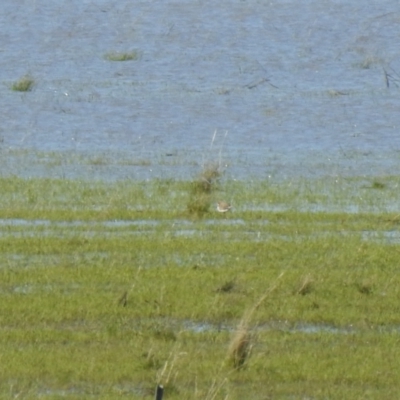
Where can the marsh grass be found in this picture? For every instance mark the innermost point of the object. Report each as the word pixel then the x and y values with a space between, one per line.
pixel 240 347
pixel 202 189
pixel 24 84
pixel 378 185
pixel 104 295
pixel 241 344
pixel 122 56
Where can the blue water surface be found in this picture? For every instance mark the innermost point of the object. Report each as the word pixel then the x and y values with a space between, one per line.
pixel 266 89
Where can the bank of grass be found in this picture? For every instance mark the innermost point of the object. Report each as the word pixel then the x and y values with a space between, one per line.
pixel 70 250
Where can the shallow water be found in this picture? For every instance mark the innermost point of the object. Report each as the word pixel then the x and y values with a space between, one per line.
pixel 284 326
pixel 185 228
pixel 289 89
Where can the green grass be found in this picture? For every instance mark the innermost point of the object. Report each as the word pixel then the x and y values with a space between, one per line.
pixel 327 328
pixel 24 84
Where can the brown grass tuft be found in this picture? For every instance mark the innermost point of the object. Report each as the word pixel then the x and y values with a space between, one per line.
pixel 241 344
pixel 240 347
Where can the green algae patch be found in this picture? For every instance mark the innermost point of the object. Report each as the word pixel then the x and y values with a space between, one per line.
pixel 108 289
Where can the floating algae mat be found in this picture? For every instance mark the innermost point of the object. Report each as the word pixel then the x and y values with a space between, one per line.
pixel 108 289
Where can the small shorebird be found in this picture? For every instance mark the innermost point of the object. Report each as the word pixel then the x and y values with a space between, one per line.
pixel 223 206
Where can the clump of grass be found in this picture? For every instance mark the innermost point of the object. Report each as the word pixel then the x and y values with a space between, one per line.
pixel 305 286
pixel 123 300
pixel 99 160
pixel 201 190
pixel 369 61
pixel 199 204
pixel 24 84
pixel 375 185
pixel 378 185
pixel 227 287
pixel 335 93
pixel 116 56
pixel 240 346
pixel 365 287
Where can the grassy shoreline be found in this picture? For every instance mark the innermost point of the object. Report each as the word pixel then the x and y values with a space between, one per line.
pixel 110 288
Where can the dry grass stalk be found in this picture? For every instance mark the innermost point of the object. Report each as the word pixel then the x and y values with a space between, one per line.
pixel 241 344
pixel 214 389
pixel 165 374
pixel 240 347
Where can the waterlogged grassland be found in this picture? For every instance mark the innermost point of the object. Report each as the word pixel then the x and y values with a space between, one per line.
pixel 108 289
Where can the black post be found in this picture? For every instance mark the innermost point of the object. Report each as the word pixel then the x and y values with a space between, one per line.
pixel 159 392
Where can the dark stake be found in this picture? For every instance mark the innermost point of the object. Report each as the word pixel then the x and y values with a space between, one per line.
pixel 159 392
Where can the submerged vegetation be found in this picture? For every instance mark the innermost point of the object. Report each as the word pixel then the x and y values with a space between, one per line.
pixel 108 289
pixel 24 84
pixel 124 56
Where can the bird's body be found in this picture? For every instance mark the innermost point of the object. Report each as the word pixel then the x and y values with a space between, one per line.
pixel 223 206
